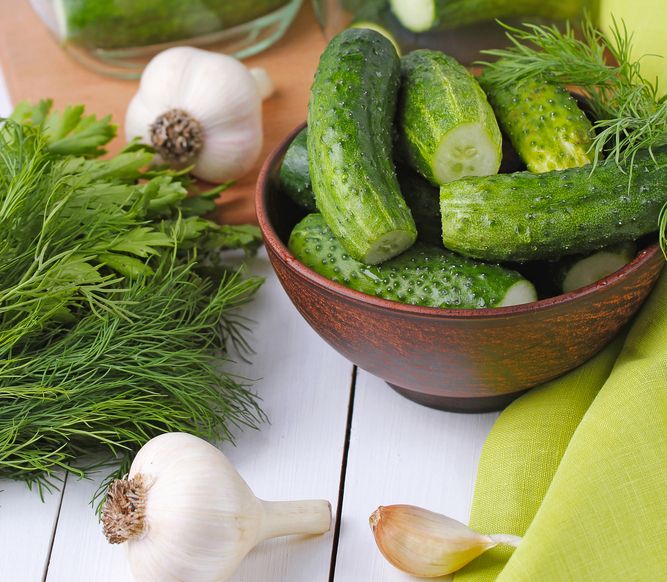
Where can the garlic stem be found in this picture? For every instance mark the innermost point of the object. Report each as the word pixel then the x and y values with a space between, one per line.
pixel 283 518
pixel 506 539
pixel 264 83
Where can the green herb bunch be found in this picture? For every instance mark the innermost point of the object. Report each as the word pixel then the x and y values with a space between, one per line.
pixel 630 116
pixel 116 306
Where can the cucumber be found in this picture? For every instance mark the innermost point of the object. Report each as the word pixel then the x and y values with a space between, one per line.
pixel 526 216
pixel 423 199
pixel 424 15
pixel 423 275
pixel 375 15
pixel 544 124
pixel 116 24
pixel 294 177
pixel 447 128
pixel 350 115
pixel 576 272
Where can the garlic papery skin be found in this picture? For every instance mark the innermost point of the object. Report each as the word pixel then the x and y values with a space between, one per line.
pixel 186 515
pixel 200 108
pixel 427 544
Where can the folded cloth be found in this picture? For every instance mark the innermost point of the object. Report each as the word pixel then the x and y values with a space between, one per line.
pixel 521 454
pixel 604 514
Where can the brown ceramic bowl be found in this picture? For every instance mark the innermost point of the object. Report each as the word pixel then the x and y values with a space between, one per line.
pixel 459 359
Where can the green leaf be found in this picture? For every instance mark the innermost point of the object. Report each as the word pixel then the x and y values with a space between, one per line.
pixel 143 242
pixel 127 266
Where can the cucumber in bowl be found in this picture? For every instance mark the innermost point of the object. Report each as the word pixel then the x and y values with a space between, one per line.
pixel 526 216
pixel 447 129
pixel 350 116
pixel 424 275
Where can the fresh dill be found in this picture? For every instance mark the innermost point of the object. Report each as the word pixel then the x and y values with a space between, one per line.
pixel 116 305
pixel 629 114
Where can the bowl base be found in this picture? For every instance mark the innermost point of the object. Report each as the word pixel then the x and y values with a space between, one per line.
pixel 471 405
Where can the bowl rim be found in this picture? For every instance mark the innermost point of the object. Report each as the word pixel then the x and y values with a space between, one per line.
pixel 272 240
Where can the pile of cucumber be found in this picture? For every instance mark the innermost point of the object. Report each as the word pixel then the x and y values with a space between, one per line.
pixel 399 149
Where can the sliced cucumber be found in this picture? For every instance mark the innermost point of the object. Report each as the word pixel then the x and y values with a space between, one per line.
pixel 447 128
pixel 424 15
pixel 580 272
pixel 544 123
pixel 376 15
pixel 423 275
pixel 526 216
pixel 350 117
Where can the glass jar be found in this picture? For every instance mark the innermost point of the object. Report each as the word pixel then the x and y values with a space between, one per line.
pixel 460 28
pixel 118 37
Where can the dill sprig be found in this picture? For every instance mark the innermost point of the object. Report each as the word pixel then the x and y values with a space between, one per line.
pixel 116 305
pixel 629 114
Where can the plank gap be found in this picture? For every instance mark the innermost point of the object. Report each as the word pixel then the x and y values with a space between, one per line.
pixel 343 474
pixel 55 529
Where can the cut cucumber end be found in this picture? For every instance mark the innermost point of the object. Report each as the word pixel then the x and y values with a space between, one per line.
pixel 378 28
pixel 521 292
pixel 593 268
pixel 467 150
pixel 388 246
pixel 415 15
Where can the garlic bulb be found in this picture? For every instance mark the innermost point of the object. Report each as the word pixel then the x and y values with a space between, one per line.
pixel 427 544
pixel 200 108
pixel 187 516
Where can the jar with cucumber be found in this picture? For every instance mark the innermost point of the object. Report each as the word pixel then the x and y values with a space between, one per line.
pixel 398 177
pixel 460 28
pixel 119 36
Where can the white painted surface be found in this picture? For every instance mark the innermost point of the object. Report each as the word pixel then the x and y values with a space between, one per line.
pixel 399 452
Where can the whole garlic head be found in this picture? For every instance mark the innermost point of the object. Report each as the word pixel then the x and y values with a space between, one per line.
pixel 199 108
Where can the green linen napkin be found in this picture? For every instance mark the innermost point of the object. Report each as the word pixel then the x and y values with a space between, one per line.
pixel 604 514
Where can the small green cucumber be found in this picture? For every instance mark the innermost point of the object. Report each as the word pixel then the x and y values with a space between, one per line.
pixel 526 216
pixel 424 275
pixel 423 200
pixel 350 116
pixel 447 128
pixel 424 15
pixel 376 15
pixel 422 197
pixel 294 176
pixel 544 124
pixel 581 271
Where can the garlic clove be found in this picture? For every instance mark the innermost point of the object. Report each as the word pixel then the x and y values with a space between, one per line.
pixel 427 544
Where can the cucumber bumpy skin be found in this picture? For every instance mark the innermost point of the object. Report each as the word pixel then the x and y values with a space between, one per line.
pixel 294 176
pixel 424 275
pixel 350 116
pixel 544 124
pixel 424 15
pixel 447 128
pixel 526 216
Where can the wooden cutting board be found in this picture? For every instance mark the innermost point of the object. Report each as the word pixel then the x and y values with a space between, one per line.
pixel 35 67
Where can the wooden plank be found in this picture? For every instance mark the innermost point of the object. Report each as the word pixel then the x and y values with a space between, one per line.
pixel 26 530
pixel 305 389
pixel 36 68
pixel 401 452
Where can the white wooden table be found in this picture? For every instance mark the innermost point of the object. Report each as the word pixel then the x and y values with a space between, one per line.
pixel 336 433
